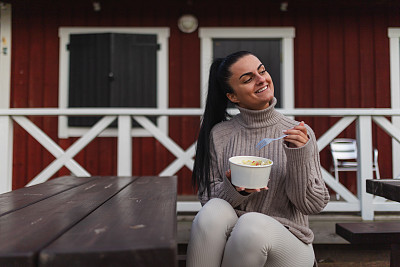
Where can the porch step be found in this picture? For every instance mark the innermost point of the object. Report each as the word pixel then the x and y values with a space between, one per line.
pixel 182 255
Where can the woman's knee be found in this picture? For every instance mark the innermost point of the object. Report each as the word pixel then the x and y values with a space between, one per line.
pixel 257 221
pixel 257 238
pixel 215 213
pixel 255 230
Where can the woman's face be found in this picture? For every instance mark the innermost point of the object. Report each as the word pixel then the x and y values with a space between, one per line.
pixel 251 83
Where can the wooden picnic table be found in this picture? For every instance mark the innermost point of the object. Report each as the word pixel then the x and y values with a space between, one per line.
pixel 387 188
pixel 377 232
pixel 94 221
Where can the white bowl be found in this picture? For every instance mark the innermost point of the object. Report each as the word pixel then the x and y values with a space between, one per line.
pixel 249 176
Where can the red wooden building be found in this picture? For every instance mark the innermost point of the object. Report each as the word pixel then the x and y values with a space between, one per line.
pixel 340 58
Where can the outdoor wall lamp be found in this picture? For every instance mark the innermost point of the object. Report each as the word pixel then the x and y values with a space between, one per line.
pixel 187 23
pixel 96 6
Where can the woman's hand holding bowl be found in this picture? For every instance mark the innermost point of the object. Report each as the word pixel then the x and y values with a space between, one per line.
pixel 248 190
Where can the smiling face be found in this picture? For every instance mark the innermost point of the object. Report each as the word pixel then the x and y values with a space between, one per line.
pixel 251 83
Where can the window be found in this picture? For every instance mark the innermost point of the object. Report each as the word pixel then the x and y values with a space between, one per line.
pixel 274 47
pixel 112 67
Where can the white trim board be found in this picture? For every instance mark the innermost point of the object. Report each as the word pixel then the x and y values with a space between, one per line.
pixel 394 46
pixel 5 54
pixel 6 124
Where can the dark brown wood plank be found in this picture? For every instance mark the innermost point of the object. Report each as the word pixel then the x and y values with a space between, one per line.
pixel 35 83
pixel 303 63
pixel 50 77
pixel 19 93
pixel 351 60
pixel 23 233
pixel 336 73
pixel 370 233
pixel 367 71
pixel 26 196
pixel 387 188
pixel 108 156
pixel 148 152
pixel 190 98
pixel 382 141
pixel 92 163
pixel 137 227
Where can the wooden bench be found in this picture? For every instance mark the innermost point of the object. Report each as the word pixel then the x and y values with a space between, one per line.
pixel 373 233
pixel 97 221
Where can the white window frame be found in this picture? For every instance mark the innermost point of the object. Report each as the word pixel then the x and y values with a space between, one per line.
pixel 394 42
pixel 64 131
pixel 286 34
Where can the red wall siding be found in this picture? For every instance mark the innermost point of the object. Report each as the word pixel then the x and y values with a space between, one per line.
pixel 341 61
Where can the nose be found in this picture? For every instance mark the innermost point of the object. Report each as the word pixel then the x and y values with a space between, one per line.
pixel 260 78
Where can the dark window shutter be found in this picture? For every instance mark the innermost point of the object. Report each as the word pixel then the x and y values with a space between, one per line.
pixel 112 70
pixel 88 74
pixel 135 71
pixel 134 64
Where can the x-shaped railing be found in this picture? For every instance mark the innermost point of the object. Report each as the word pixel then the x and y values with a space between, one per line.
pixel 363 117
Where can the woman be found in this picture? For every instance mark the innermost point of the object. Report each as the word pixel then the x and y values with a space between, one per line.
pixel 253 227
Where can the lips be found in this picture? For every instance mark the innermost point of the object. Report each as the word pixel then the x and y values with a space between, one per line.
pixel 262 89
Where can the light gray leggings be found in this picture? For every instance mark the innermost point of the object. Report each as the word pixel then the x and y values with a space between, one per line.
pixel 219 238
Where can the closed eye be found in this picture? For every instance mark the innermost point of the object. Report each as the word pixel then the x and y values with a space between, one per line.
pixel 261 70
pixel 249 79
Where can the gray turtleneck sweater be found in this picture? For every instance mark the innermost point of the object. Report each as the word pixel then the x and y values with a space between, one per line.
pixel 296 188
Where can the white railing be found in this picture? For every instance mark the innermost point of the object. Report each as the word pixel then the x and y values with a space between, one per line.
pixel 363 202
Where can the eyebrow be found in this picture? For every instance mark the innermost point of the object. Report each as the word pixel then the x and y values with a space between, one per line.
pixel 248 73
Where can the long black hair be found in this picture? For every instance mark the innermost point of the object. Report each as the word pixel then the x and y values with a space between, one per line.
pixel 215 112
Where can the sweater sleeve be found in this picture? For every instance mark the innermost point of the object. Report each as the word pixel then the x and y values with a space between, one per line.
pixel 221 187
pixel 304 183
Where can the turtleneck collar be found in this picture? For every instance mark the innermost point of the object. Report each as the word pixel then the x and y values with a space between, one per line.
pixel 259 118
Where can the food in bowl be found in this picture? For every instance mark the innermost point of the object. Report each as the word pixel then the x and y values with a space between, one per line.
pixel 256 162
pixel 250 171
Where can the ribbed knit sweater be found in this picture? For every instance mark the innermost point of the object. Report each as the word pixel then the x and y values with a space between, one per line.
pixel 296 188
